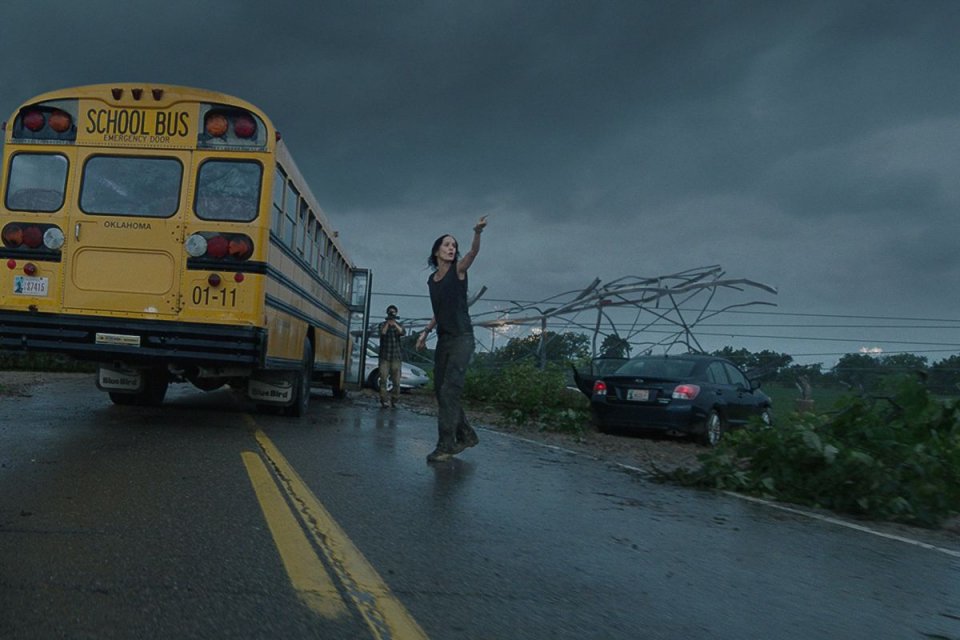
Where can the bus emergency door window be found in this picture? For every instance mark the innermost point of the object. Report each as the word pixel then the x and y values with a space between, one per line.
pixel 37 182
pixel 130 186
pixel 228 190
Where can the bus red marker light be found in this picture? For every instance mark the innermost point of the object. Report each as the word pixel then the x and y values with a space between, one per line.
pixel 215 125
pixel 116 93
pixel 157 94
pixel 32 237
pixel 217 247
pixel 137 93
pixel 11 264
pixel 30 269
pixel 60 121
pixel 33 120
pixel 244 126
pixel 238 277
pixel 213 280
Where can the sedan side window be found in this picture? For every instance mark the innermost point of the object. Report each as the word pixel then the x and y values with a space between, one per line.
pixel 716 374
pixel 736 377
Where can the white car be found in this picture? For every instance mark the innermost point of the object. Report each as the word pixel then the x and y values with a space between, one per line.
pixel 411 377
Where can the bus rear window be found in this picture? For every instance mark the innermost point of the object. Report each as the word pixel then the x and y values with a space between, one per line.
pixel 130 186
pixel 228 190
pixel 36 182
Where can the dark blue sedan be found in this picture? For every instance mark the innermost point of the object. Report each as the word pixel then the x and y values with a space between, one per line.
pixel 692 395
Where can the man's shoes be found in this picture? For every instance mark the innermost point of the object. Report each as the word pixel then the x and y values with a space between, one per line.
pixel 394 404
pixel 383 405
pixel 438 455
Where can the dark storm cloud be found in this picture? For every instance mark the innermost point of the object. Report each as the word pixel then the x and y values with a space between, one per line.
pixel 809 145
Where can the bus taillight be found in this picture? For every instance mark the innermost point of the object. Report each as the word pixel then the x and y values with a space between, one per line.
pixel 20 235
pixel 219 246
pixel 240 247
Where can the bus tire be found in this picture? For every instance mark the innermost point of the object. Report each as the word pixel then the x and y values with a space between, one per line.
pixel 339 388
pixel 154 390
pixel 123 399
pixel 301 400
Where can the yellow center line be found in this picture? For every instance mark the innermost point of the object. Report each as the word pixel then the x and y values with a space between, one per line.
pixel 309 577
pixel 386 617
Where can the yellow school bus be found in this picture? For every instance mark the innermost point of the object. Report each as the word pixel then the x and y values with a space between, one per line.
pixel 166 234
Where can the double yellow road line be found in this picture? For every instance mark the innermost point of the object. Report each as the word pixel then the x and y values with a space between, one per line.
pixel 302 527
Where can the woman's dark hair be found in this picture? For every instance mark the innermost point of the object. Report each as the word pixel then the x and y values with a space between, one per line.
pixel 432 260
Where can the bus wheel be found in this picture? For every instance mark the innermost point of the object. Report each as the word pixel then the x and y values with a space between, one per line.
pixel 302 385
pixel 154 390
pixel 123 398
pixel 339 388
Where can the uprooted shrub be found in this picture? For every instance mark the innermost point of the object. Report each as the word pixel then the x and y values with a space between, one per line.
pixel 892 457
pixel 524 394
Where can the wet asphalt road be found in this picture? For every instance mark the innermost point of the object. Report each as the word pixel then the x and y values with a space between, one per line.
pixel 124 522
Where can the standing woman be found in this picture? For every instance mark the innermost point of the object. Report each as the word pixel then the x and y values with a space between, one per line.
pixel 455 343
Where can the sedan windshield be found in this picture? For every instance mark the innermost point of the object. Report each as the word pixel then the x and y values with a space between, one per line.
pixel 669 368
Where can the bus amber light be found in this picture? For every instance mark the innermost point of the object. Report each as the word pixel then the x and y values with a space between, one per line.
pixel 239 248
pixel 12 235
pixel 60 121
pixel 216 125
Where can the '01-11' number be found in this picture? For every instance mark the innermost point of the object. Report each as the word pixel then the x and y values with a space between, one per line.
pixel 204 296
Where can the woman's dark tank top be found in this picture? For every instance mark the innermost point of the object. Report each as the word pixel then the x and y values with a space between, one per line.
pixel 449 300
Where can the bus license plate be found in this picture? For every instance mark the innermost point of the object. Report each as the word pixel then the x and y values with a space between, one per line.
pixel 30 286
pixel 638 395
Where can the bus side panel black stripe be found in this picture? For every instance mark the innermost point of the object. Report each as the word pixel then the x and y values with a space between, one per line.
pixel 280 305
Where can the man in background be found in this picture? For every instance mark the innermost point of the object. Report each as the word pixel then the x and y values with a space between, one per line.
pixel 391 356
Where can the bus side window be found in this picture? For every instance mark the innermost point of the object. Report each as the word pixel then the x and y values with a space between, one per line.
pixel 301 226
pixel 290 215
pixel 317 254
pixel 279 188
pixel 308 244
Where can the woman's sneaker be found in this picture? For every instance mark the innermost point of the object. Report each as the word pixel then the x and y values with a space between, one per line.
pixel 438 455
pixel 466 441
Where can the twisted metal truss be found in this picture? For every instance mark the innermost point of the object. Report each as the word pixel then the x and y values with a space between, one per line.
pixel 670 306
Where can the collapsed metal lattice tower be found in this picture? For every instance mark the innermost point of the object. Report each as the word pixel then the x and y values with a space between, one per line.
pixel 669 306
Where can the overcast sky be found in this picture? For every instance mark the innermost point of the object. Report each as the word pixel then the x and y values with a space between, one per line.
pixel 809 146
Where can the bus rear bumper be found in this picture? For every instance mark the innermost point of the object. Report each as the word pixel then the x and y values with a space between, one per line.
pixel 134 342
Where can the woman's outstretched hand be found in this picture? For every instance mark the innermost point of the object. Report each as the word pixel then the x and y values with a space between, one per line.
pixel 478 228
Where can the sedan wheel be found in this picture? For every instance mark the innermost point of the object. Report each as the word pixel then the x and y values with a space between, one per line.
pixel 766 418
pixel 712 429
